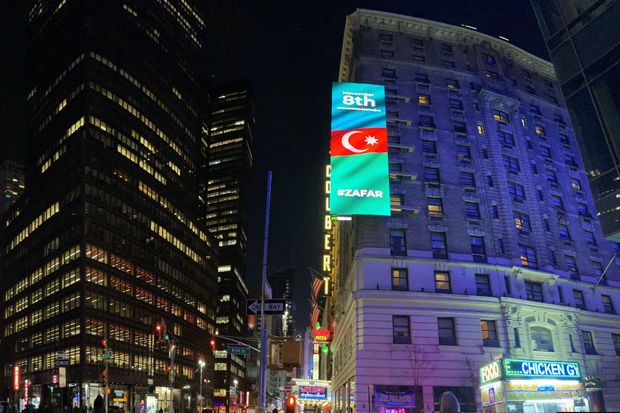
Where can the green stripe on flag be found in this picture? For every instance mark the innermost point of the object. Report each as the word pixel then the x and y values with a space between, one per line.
pixel 360 185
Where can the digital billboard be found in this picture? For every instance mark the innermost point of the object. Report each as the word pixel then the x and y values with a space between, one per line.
pixel 359 152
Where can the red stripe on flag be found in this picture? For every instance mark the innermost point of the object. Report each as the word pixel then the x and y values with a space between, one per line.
pixel 316 289
pixel 316 312
pixel 358 141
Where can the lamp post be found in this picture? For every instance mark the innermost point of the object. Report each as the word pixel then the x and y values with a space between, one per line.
pixel 236 382
pixel 201 363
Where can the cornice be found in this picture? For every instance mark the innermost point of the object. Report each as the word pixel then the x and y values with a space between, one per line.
pixel 422 27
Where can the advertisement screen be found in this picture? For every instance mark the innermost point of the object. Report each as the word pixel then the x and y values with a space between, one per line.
pixel 359 151
pixel 313 392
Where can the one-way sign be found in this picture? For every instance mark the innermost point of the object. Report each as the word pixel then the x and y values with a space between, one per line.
pixel 272 307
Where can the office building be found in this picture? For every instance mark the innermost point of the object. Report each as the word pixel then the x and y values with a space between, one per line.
pixel 105 244
pixel 582 40
pixel 282 281
pixel 492 249
pixel 11 184
pixel 228 148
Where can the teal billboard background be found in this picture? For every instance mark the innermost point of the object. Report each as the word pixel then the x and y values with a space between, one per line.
pixel 359 174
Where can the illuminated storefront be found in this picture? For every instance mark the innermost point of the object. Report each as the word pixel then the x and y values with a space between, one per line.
pixel 313 394
pixel 532 386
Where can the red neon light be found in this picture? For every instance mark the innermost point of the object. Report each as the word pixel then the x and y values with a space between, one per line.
pixel 16 378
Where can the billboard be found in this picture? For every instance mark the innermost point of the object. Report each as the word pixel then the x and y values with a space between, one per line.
pixel 313 392
pixel 359 153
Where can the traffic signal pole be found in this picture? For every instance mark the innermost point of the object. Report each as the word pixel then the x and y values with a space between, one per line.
pixel 263 334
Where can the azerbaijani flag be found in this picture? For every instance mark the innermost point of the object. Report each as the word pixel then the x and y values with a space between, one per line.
pixel 359 160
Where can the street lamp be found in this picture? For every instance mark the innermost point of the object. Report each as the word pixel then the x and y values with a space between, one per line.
pixel 201 363
pixel 235 382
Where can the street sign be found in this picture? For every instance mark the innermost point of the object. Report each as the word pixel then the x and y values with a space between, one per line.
pixel 106 355
pixel 238 350
pixel 272 307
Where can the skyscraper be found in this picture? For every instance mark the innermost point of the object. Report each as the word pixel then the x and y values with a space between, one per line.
pixel 11 184
pixel 582 39
pixel 105 243
pixel 491 250
pixel 228 148
pixel 282 281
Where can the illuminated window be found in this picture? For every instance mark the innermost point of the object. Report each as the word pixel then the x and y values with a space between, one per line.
pixel 480 129
pixel 396 202
pixel 424 99
pixel 539 130
pixel 452 84
pixel 522 222
pixel 501 117
pixel 442 282
pixel 400 279
pixel 435 206
pixel 527 256
pixel 489 333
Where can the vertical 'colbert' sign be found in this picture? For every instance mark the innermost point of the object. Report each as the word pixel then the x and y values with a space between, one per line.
pixel 359 174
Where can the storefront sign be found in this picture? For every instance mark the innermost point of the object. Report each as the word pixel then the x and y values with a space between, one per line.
pixel 541 369
pixel 62 377
pixel 491 372
pixel 547 390
pixel 26 387
pixel 313 392
pixel 359 160
pixel 16 378
pixel 321 335
pixel 394 399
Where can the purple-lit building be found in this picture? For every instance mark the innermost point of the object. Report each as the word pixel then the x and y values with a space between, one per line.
pixel 493 248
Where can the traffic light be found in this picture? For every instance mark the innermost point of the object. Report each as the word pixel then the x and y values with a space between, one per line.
pixel 104 373
pixel 325 349
pixel 168 372
pixel 104 343
pixel 212 344
pixel 291 401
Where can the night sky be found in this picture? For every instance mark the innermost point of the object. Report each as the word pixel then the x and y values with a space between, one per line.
pixel 290 51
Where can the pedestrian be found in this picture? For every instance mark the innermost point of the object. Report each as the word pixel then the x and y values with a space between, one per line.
pixel 449 403
pixel 98 404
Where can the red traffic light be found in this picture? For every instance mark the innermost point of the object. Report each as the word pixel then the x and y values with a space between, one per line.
pixel 212 343
pixel 104 373
pixel 158 328
pixel 104 342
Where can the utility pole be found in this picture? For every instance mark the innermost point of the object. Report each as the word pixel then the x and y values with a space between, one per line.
pixel 263 335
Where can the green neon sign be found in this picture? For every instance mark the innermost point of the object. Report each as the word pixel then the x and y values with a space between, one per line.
pixel 534 369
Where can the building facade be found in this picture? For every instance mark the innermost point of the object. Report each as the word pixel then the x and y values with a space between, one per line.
pixel 105 243
pixel 582 39
pixel 229 159
pixel 12 184
pixel 491 249
pixel 282 281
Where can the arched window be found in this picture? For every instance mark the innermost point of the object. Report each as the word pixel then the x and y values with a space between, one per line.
pixel 542 339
